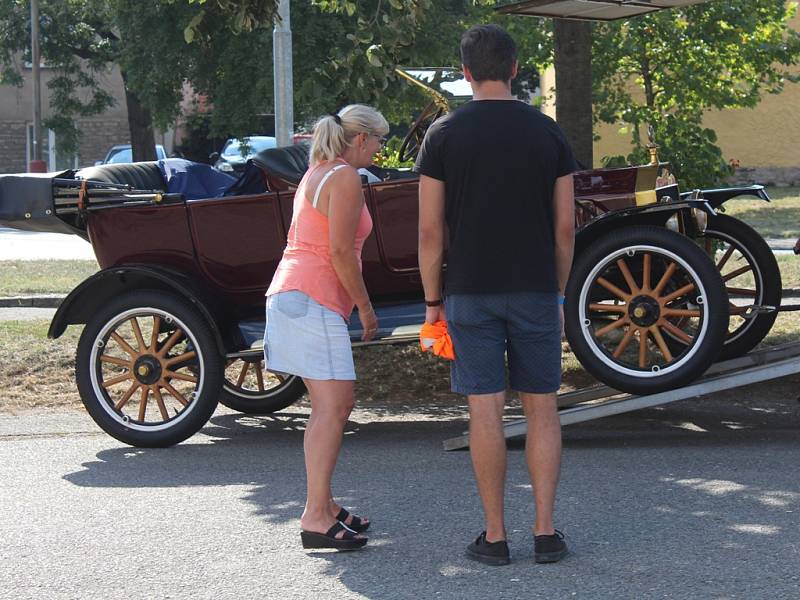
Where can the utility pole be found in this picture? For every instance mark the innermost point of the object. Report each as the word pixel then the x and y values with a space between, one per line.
pixel 36 165
pixel 282 65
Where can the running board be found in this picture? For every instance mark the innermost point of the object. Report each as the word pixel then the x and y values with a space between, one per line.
pixel 601 401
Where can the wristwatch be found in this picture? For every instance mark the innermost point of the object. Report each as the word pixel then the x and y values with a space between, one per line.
pixel 433 302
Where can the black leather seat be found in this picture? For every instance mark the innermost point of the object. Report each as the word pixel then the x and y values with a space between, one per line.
pixel 140 175
pixel 288 163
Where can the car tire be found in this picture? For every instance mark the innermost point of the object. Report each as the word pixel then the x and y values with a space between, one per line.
pixel 148 369
pixel 248 388
pixel 744 334
pixel 624 291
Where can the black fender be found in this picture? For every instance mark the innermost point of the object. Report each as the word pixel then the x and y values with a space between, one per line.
pixel 717 197
pixel 94 292
pixel 650 214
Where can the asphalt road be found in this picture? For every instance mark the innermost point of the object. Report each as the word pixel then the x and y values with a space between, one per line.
pixel 699 499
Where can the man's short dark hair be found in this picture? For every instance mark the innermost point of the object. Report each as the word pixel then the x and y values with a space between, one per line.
pixel 488 52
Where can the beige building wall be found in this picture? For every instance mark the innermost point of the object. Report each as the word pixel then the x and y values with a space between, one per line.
pixel 765 140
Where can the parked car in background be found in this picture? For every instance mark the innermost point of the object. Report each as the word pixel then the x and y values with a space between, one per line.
pixel 233 157
pixel 122 153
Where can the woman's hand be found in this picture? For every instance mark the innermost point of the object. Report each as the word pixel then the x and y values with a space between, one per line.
pixel 369 322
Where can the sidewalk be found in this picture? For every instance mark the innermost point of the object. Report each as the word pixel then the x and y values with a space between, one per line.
pixel 33 245
pixel 29 245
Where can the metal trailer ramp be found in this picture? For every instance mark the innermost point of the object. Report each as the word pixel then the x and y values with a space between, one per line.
pixel 602 401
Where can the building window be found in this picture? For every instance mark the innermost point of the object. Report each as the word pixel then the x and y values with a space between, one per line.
pixel 55 161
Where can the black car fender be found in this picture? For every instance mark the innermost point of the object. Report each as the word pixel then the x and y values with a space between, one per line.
pixel 717 197
pixel 97 290
pixel 655 215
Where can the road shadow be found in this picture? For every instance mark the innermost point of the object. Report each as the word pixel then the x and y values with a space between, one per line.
pixel 674 501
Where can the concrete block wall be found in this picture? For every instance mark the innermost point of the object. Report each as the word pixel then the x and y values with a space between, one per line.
pixel 98 135
pixel 13 148
pixel 769 176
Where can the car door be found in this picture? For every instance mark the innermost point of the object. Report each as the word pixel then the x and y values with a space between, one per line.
pixel 394 205
pixel 238 240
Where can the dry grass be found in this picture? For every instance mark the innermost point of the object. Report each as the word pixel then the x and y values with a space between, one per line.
pixel 35 371
pixel 23 277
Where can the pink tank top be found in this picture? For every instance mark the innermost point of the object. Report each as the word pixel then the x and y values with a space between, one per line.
pixel 306 263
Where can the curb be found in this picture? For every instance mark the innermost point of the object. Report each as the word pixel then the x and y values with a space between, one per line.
pixel 53 301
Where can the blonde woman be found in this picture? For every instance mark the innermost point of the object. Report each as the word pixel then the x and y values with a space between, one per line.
pixel 313 292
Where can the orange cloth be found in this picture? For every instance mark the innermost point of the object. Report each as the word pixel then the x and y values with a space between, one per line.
pixel 434 337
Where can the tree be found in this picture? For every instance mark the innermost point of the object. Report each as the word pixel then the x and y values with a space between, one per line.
pixel 344 51
pixel 82 39
pixel 668 69
pixel 76 44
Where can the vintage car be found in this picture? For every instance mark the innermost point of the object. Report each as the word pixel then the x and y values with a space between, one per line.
pixel 173 320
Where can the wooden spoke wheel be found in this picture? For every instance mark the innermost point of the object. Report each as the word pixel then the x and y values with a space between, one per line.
pixel 250 389
pixel 752 279
pixel 148 369
pixel 413 140
pixel 627 292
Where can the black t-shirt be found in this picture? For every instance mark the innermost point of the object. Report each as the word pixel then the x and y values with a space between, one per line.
pixel 499 160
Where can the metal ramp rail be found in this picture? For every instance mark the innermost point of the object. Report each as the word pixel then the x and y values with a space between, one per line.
pixel 603 401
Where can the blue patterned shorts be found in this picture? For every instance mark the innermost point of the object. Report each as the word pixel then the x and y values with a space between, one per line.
pixel 486 328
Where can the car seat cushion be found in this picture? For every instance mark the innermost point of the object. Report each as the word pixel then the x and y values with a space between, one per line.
pixel 140 175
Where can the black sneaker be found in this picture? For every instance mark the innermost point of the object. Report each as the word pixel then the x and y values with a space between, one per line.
pixel 489 553
pixel 549 548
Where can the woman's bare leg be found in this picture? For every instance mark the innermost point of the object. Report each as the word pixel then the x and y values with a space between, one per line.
pixel 331 404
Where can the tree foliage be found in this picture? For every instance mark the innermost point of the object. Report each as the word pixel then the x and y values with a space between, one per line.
pixel 77 42
pixel 343 51
pixel 670 68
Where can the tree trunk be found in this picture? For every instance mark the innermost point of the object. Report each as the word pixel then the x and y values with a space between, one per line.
pixel 140 124
pixel 573 63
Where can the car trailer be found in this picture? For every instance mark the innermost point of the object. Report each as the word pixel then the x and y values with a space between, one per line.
pixel 399 324
pixel 602 401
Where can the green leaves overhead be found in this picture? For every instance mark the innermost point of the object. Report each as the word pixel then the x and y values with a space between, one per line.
pixel 670 67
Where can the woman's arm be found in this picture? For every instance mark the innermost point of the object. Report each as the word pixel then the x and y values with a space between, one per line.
pixel 345 203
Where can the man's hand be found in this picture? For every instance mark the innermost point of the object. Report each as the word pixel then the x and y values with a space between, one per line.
pixel 435 313
pixel 561 316
pixel 369 322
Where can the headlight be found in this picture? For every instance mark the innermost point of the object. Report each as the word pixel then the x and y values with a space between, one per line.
pixel 673 223
pixel 226 167
pixel 700 218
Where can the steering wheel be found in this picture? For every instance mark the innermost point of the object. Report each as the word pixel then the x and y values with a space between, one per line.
pixel 413 140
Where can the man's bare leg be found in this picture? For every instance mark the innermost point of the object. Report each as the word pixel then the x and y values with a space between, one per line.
pixel 543 454
pixel 487 446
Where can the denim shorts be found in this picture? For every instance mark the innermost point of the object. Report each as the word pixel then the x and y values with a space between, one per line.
pixel 304 338
pixel 525 327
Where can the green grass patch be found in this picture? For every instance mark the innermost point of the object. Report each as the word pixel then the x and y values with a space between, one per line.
pixel 777 219
pixel 23 277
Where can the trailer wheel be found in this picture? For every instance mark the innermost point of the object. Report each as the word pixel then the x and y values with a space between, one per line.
pixel 148 369
pixel 628 290
pixel 752 277
pixel 250 389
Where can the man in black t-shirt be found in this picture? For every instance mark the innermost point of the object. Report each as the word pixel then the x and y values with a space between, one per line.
pixel 498 174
